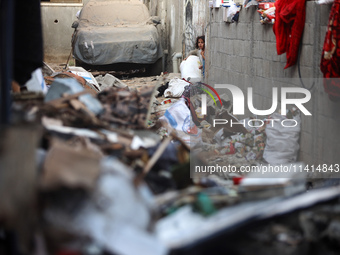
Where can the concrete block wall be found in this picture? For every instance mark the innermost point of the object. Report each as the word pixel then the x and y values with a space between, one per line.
pixel 244 54
pixel 57 31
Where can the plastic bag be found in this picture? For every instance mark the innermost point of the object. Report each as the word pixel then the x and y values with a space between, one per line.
pixel 282 144
pixel 37 82
pixel 232 10
pixel 178 118
pixel 190 69
pixel 176 88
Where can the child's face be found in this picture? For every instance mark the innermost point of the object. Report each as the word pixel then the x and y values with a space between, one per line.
pixel 200 44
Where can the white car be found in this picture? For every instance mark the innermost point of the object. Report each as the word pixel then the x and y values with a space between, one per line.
pixel 110 32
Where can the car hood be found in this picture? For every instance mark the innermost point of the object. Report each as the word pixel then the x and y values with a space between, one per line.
pixel 109 45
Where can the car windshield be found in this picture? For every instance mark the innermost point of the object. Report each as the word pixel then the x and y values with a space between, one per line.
pixel 102 13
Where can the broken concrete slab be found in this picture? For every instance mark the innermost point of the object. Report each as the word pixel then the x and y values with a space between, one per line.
pixel 110 81
pixel 61 87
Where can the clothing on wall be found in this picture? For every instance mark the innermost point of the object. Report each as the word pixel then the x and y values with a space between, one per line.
pixel 288 28
pixel 330 59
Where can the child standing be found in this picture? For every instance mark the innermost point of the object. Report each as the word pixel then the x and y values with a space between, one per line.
pixel 200 45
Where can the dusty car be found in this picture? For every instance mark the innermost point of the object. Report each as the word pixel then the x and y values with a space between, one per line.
pixel 111 31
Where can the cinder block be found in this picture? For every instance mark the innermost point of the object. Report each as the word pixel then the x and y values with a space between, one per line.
pixel 308 34
pixel 307 123
pixel 228 29
pixel 322 126
pixel 291 72
pixel 217 45
pixel 244 17
pixel 306 72
pixel 266 69
pixel 247 48
pixel 238 64
pixel 325 10
pixel 219 60
pixel 258 32
pixel 215 15
pixel 242 48
pixel 279 69
pixel 241 31
pixel 246 65
pixel 328 153
pixel 257 67
pixel 256 49
pixel 268 34
pixel 222 47
pixel 237 47
pixel 233 64
pixel 310 12
pixel 234 45
pixel 212 45
pixel 248 81
pixel 214 30
pixel 221 31
pixel 271 48
pixel 334 131
pixel 307 56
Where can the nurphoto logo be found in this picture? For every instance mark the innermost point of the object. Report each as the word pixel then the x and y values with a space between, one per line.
pixel 239 99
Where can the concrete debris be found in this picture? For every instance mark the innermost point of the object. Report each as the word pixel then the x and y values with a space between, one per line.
pixel 110 81
pixel 124 170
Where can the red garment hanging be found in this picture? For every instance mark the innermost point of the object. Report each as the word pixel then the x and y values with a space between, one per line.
pixel 288 27
pixel 330 59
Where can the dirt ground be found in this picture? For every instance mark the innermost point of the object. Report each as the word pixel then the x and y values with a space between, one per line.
pixel 128 79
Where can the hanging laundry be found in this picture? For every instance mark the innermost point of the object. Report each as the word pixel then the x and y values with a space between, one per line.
pixel 288 27
pixel 330 59
pixel 267 12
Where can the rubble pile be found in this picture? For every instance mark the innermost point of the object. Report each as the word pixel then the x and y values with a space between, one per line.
pixel 111 170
